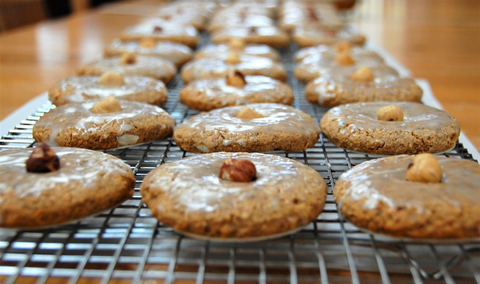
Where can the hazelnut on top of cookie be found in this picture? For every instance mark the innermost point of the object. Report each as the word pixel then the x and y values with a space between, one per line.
pixel 148 42
pixel 424 168
pixel 128 58
pixel 43 160
pixel 362 74
pixel 111 79
pixel 107 105
pixel 390 113
pixel 248 113
pixel 238 170
pixel 344 59
pixel 233 58
pixel 237 44
pixel 343 46
pixel 236 79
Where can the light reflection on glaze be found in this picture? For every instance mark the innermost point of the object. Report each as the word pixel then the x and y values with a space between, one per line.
pixel 176 52
pixel 385 180
pixel 168 29
pixel 276 118
pixel 79 116
pixel 82 88
pixel 417 117
pixel 77 167
pixel 323 53
pixel 193 183
pixel 214 68
pixel 222 51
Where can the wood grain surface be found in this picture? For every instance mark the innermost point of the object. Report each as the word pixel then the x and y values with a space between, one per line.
pixel 438 40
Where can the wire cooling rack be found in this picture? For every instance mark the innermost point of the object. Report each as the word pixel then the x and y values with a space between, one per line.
pixel 128 245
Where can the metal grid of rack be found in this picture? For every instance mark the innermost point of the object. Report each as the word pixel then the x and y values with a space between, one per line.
pixel 127 244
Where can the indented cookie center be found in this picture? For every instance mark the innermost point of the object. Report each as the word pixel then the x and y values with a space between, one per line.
pixel 238 170
pixel 43 160
pixel 248 113
pixel 236 79
pixel 107 105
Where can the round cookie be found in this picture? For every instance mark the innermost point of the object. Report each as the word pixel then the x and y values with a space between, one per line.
pixel 85 88
pixel 240 21
pixel 423 130
pixel 311 37
pixel 337 87
pixel 87 183
pixel 376 196
pixel 178 53
pixel 327 66
pixel 281 128
pixel 149 66
pixel 208 94
pixel 75 125
pixel 247 65
pixel 271 36
pixel 222 51
pixel 189 196
pixel 319 52
pixel 161 31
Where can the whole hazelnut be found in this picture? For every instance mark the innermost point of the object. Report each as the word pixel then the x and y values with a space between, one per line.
pixel 107 105
pixel 344 59
pixel 148 42
pixel 343 46
pixel 236 79
pixel 128 58
pixel 362 74
pixel 43 160
pixel 157 29
pixel 233 58
pixel 248 113
pixel 238 170
pixel 390 113
pixel 111 79
pixel 237 44
pixel 425 168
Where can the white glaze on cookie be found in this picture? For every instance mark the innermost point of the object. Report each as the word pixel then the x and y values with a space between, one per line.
pixel 222 51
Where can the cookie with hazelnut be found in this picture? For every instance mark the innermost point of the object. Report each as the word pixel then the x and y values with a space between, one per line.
pixel 161 31
pixel 390 128
pixel 343 85
pixel 130 88
pixel 419 197
pixel 320 52
pixel 222 51
pixel 178 53
pixel 248 65
pixel 269 35
pixel 103 124
pixel 45 186
pixel 251 128
pixel 233 90
pixel 308 36
pixel 234 196
pixel 130 64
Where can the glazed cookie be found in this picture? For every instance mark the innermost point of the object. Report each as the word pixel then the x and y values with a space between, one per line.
pixel 254 128
pixel 59 185
pixel 162 31
pixel 103 124
pixel 319 52
pixel 339 64
pixel 271 36
pixel 247 65
pixel 311 37
pixel 222 51
pixel 380 196
pixel 131 64
pixel 241 21
pixel 208 94
pixel 340 86
pixel 178 53
pixel 130 88
pixel 390 128
pixel 189 195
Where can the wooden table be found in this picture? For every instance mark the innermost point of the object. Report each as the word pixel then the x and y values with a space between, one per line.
pixel 436 39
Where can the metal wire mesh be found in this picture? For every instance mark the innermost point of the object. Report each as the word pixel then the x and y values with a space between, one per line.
pixel 127 244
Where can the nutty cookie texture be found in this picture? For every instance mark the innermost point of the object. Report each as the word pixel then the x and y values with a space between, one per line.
pixel 423 129
pixel 87 182
pixel 79 125
pixel 189 196
pixel 208 94
pixel 130 88
pixel 376 195
pixel 254 128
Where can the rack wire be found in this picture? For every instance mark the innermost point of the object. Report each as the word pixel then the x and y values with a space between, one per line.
pixel 128 245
